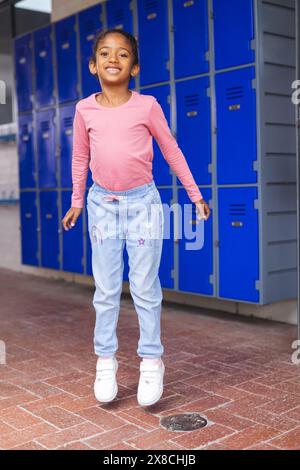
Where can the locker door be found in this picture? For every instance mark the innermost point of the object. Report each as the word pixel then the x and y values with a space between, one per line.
pixel 238 244
pixel 66 54
pixel 89 24
pixel 153 41
pixel 233 32
pixel 44 80
pixel 26 152
pixel 29 228
pixel 23 72
pixel 167 257
pixel 88 268
pixel 190 37
pixel 119 15
pixel 46 135
pixel 66 116
pixel 160 168
pixel 195 247
pixel 236 127
pixel 49 229
pixel 72 240
pixel 194 128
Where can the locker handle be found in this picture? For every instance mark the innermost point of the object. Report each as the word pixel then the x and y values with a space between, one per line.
pixel 188 4
pixel 234 107
pixel 65 45
pixel 90 37
pixel 192 113
pixel 49 216
pixel 151 16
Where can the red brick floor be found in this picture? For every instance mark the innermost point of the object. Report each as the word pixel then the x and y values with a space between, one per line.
pixel 235 371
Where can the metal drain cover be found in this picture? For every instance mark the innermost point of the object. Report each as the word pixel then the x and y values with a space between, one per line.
pixel 183 422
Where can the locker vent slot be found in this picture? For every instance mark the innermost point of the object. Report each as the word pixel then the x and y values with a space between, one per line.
pixel 237 209
pixel 45 125
pixel 191 100
pixel 119 15
pixel 234 93
pixel 68 121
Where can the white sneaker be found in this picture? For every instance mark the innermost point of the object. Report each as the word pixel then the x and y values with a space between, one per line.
pixel 105 386
pixel 150 387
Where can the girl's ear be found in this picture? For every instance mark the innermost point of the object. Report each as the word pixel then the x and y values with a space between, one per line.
pixel 92 67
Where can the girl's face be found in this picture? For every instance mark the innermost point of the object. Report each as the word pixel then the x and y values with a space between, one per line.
pixel 114 60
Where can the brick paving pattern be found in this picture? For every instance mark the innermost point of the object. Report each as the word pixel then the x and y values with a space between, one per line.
pixel 235 371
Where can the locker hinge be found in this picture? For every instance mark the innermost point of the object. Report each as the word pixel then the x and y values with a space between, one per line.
pixel 168 65
pixel 212 15
pixel 255 204
pixel 82 261
pixel 172 28
pixel 173 273
pixel 217 243
pixel 257 284
pixel 208 92
pixel 168 99
pixel 215 130
pixel 131 6
pixel 211 279
pixel 209 168
pixel 253 83
pixel 255 165
pixel 252 44
pixel 207 55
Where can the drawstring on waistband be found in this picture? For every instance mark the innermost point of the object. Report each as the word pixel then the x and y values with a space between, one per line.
pixel 112 197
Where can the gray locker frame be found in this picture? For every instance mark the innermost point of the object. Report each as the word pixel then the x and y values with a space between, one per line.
pixel 265 175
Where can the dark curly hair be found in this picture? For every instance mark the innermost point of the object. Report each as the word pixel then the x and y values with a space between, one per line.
pixel 132 40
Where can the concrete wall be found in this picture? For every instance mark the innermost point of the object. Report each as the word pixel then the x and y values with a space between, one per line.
pixel 68 7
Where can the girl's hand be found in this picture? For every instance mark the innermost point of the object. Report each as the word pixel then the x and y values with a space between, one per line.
pixel 203 211
pixel 70 218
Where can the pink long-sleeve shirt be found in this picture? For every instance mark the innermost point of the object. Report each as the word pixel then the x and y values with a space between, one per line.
pixel 116 143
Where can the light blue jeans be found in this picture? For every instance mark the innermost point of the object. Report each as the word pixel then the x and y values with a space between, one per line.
pixel 134 216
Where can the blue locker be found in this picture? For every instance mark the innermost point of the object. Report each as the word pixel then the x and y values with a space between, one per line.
pixel 89 24
pixel 153 41
pixel 190 38
pixel 196 260
pixel 46 135
pixel 233 32
pixel 44 79
pixel 119 15
pixel 167 257
pixel 66 55
pixel 238 244
pixel 26 152
pixel 72 240
pixel 49 229
pixel 88 267
pixel 194 127
pixel 236 127
pixel 126 265
pixel 66 116
pixel 23 72
pixel 160 168
pixel 89 180
pixel 29 228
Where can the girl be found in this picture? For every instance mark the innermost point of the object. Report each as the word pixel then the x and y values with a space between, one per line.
pixel 113 131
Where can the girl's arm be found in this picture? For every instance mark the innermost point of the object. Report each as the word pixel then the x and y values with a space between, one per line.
pixel 80 160
pixel 159 128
